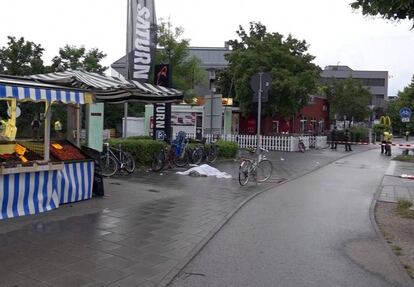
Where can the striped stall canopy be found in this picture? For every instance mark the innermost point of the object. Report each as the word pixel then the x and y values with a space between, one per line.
pixel 109 89
pixel 29 90
pixel 75 182
pixel 37 192
pixel 28 193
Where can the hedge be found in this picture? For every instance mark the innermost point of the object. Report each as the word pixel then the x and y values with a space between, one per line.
pixel 227 149
pixel 141 149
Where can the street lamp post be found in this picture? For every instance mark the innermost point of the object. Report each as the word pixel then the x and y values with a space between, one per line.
pixel 371 108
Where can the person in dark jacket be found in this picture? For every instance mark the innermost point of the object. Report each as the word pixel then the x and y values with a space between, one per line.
pixel 334 138
pixel 347 140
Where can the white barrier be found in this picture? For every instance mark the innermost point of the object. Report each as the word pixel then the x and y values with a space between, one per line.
pixel 277 143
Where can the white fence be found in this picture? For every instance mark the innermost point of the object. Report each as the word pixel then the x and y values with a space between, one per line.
pixel 278 143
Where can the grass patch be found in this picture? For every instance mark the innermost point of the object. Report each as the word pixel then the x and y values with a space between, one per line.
pixel 409 270
pixel 397 250
pixel 403 209
pixel 404 157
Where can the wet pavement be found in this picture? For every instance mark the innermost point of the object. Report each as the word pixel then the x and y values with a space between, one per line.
pixel 393 187
pixel 316 230
pixel 141 232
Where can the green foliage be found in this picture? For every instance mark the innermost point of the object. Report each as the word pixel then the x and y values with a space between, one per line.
pixel 359 134
pixel 379 130
pixel 72 57
pixel 405 99
pixel 113 113
pixel 294 76
pixel 405 157
pixel 388 9
pixel 403 208
pixel 187 72
pixel 21 57
pixel 140 138
pixel 348 98
pixel 227 149
pixel 141 149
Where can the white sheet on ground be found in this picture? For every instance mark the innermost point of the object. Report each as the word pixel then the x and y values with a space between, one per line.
pixel 205 170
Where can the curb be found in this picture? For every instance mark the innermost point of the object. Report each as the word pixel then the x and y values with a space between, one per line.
pixel 397 262
pixel 167 279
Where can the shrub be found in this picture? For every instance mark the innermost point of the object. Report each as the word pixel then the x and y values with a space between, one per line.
pixel 227 149
pixel 140 138
pixel 141 149
pixel 379 130
pixel 359 134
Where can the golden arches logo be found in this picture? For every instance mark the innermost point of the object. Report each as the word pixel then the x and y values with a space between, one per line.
pixel 385 120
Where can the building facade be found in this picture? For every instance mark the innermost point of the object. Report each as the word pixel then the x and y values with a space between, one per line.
pixel 375 81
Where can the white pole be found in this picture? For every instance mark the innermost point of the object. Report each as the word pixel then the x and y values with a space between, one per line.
pixel 48 119
pixel 128 49
pixel 259 112
pixel 78 125
pixel 125 120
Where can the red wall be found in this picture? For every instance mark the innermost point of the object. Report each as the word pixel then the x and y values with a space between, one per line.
pixel 317 111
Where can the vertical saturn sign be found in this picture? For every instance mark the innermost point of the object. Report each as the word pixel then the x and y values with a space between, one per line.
pixel 141 39
pixel 141 43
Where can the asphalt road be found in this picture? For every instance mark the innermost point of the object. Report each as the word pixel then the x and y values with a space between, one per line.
pixel 313 231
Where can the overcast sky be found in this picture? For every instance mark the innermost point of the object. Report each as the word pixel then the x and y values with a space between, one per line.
pixel 335 33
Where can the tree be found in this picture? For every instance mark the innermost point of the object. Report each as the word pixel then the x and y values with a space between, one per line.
pixel 72 57
pixel 21 57
pixel 294 76
pixel 388 9
pixel 186 70
pixel 348 98
pixel 405 99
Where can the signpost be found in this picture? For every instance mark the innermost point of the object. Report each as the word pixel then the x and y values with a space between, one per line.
pixel 260 84
pixel 405 114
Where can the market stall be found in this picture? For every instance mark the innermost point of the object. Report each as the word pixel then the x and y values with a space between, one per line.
pixel 35 175
pixel 38 176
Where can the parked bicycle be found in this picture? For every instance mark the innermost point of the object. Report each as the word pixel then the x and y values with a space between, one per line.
pixel 259 168
pixel 169 155
pixel 301 144
pixel 203 151
pixel 113 160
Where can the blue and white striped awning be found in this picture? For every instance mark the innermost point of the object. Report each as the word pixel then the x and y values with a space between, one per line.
pixel 30 90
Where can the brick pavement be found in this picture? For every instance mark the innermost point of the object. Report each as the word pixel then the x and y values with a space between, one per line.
pixel 393 187
pixel 144 227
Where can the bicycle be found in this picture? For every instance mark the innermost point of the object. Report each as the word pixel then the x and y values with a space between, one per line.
pixel 301 145
pixel 260 168
pixel 205 152
pixel 170 154
pixel 115 159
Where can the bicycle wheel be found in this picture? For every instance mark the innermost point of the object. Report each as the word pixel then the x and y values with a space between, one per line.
pixel 244 171
pixel 264 170
pixel 158 161
pixel 212 153
pixel 128 161
pixel 109 165
pixel 301 146
pixel 182 160
pixel 197 155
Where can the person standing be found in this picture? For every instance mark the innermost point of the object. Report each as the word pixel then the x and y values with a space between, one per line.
pixel 58 129
pixel 388 143
pixel 348 140
pixel 35 128
pixel 334 143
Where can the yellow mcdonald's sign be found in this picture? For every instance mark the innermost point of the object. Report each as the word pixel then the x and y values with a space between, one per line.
pixel 385 120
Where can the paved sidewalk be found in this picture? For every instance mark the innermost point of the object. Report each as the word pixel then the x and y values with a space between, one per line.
pixel 395 188
pixel 144 227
